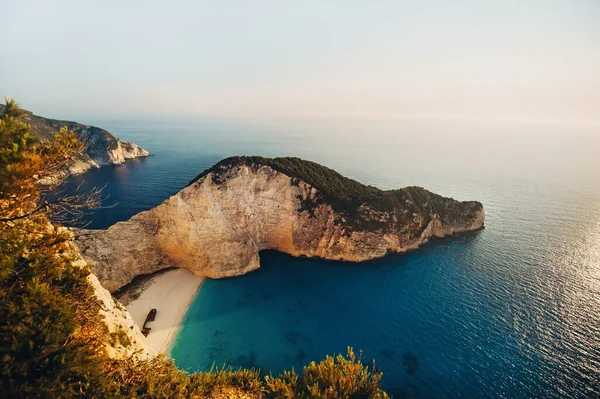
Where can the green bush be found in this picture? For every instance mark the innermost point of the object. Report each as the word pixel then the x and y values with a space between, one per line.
pixel 336 377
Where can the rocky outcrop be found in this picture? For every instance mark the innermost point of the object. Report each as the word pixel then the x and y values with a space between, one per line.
pixel 218 224
pixel 125 340
pixel 101 147
pixel 120 335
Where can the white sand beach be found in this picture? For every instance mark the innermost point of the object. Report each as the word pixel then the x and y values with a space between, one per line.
pixel 170 293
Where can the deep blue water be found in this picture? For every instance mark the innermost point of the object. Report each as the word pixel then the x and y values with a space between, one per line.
pixel 512 311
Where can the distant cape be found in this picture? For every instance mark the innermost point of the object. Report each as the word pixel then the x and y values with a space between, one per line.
pixel 101 147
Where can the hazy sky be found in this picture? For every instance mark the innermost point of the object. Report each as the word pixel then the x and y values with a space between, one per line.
pixel 479 59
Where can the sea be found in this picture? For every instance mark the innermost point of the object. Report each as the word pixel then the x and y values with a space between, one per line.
pixel 510 311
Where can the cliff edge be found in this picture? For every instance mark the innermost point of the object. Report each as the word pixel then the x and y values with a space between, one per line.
pixel 217 225
pixel 101 147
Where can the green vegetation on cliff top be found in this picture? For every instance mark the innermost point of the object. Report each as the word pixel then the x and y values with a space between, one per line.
pixel 346 195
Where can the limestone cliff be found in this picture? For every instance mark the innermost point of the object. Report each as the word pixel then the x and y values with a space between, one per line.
pixel 101 147
pixel 218 224
pixel 125 339
pixel 121 336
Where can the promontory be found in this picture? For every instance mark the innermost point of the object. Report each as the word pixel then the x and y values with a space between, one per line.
pixel 101 148
pixel 217 225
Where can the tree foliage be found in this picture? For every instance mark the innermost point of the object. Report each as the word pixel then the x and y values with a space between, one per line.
pixel 30 169
pixel 47 310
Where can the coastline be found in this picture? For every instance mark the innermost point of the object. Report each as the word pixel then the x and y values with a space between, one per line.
pixel 170 293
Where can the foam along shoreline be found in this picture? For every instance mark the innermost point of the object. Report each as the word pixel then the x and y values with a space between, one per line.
pixel 170 293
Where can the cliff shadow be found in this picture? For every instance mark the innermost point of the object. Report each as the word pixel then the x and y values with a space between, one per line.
pixel 282 276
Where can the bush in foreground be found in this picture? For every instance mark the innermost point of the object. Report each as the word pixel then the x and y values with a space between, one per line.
pixel 336 377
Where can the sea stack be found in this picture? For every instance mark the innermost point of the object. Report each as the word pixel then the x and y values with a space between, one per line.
pixel 217 225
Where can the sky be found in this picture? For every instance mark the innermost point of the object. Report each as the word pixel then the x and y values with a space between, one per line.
pixel 496 59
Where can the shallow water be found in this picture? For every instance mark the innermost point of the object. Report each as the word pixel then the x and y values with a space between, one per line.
pixel 509 311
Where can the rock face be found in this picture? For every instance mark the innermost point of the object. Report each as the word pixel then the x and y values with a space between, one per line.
pixel 121 337
pixel 102 148
pixel 218 224
pixel 126 340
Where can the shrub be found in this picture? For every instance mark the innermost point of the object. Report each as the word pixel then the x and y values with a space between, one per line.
pixel 336 377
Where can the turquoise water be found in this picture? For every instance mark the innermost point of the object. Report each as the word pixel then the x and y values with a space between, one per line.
pixel 509 311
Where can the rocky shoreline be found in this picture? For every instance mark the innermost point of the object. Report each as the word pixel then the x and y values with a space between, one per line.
pixel 217 225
